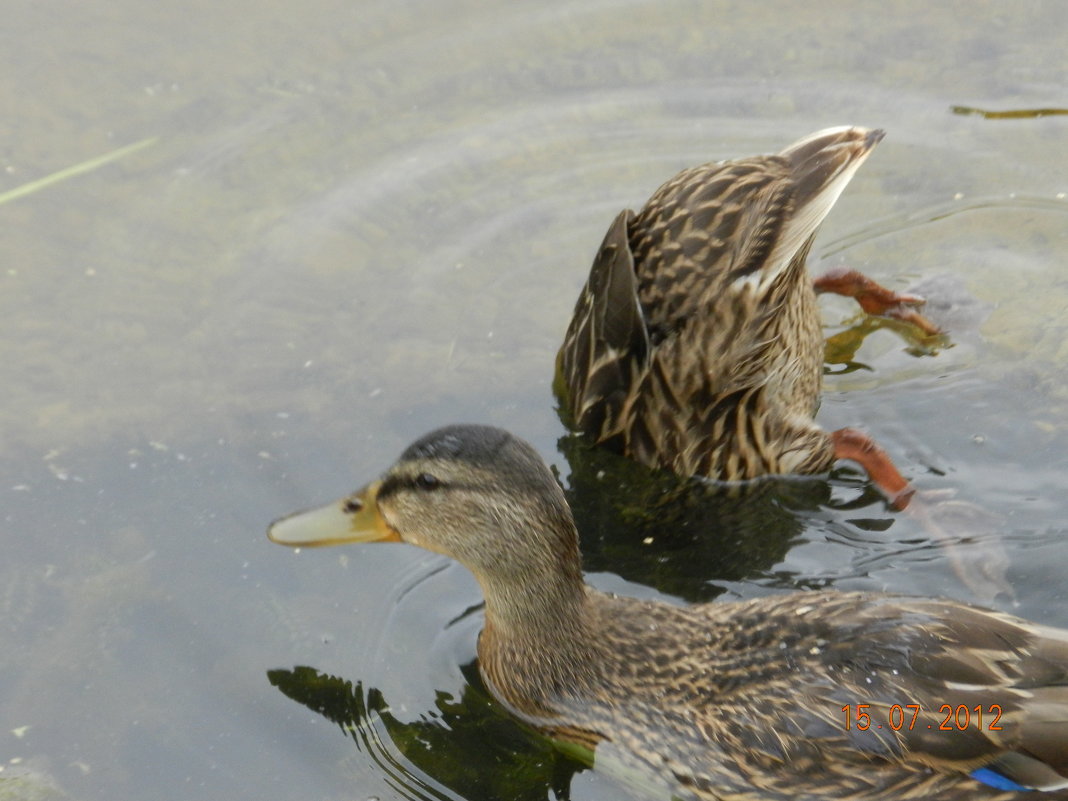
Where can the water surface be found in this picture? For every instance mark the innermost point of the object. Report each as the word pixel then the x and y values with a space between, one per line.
pixel 360 221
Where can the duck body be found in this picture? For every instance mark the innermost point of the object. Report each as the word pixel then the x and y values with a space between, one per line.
pixel 695 345
pixel 740 700
pixel 759 699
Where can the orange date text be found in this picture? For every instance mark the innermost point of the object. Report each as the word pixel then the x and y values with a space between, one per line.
pixel 898 717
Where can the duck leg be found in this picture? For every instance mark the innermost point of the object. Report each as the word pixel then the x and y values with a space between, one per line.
pixel 980 567
pixel 874 298
pixel 855 445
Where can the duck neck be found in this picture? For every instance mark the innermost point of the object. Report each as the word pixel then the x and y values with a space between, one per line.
pixel 538 627
pixel 541 610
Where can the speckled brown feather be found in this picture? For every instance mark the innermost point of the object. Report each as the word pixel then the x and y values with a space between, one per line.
pixel 695 345
pixel 753 694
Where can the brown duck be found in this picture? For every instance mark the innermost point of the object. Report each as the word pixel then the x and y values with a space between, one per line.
pixel 695 345
pixel 799 697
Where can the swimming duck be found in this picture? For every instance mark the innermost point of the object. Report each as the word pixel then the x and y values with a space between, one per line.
pixel 695 345
pixel 802 696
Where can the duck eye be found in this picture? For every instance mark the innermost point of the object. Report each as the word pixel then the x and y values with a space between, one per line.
pixel 427 481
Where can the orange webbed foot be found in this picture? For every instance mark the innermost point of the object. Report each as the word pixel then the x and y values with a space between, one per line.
pixel 874 298
pixel 958 527
pixel 855 445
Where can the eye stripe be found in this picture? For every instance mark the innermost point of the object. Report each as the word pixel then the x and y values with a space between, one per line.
pixel 422 482
pixel 398 483
pixel 390 485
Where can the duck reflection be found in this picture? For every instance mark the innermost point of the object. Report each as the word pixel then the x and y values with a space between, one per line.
pixel 683 535
pixel 468 749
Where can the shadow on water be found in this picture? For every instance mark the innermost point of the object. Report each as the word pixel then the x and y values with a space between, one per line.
pixel 680 535
pixel 451 748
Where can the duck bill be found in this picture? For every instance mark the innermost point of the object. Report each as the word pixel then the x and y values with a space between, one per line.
pixel 352 519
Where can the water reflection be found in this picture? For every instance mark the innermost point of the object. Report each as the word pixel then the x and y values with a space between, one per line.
pixel 468 749
pixel 682 536
pixel 840 349
pixel 692 537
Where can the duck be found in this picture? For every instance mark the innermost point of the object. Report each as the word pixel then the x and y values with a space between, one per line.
pixel 803 696
pixel 695 345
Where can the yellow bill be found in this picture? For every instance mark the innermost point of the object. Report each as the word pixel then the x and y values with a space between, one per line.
pixel 352 519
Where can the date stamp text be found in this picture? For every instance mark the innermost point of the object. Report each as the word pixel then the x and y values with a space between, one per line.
pixel 898 717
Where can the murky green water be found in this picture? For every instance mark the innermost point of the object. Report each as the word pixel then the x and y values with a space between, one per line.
pixel 361 221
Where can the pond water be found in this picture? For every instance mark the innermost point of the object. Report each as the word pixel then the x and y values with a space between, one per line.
pixel 348 223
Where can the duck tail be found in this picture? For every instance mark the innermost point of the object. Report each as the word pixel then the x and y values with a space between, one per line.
pixel 825 161
pixel 1039 760
pixel 820 166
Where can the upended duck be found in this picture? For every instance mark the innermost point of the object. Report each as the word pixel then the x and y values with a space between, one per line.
pixel 758 699
pixel 695 345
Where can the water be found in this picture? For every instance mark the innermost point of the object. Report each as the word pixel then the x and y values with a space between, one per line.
pixel 358 222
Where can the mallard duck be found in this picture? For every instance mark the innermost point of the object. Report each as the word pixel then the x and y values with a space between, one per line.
pixel 695 345
pixel 757 699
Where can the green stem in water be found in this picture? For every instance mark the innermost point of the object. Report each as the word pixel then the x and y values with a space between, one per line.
pixel 77 169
